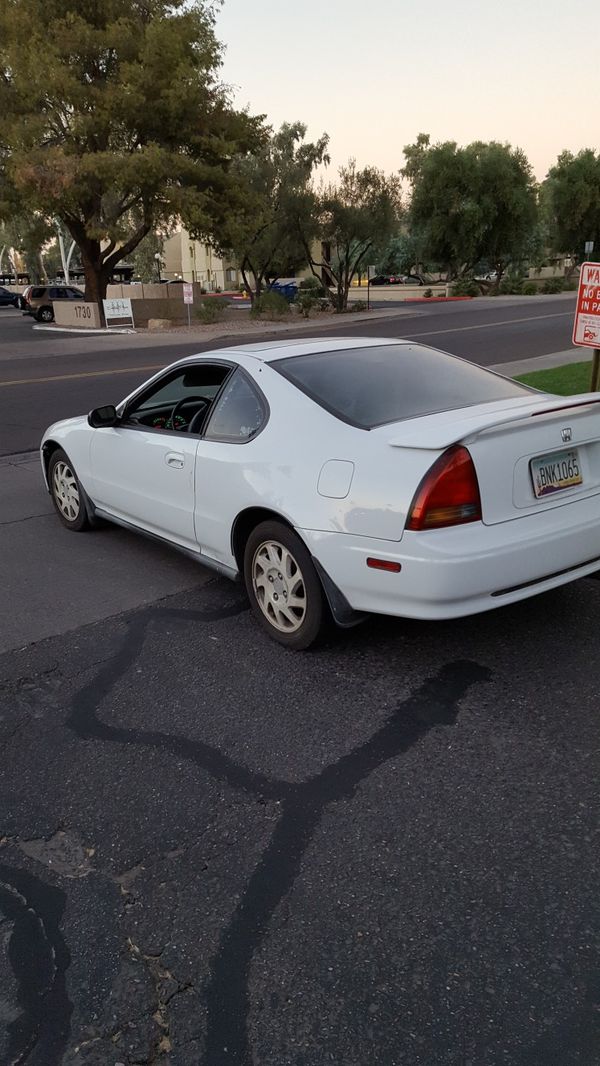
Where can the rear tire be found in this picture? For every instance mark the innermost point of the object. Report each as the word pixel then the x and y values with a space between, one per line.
pixel 283 586
pixel 68 496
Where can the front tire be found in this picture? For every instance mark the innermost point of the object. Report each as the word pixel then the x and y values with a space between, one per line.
pixel 45 314
pixel 68 496
pixel 283 586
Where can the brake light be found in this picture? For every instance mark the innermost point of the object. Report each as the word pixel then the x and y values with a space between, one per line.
pixel 448 494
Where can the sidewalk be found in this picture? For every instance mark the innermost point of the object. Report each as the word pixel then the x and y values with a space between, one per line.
pixel 543 362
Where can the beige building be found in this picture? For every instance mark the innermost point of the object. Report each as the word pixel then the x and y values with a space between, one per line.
pixel 189 260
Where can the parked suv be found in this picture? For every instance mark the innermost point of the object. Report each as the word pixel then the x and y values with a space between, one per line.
pixel 39 299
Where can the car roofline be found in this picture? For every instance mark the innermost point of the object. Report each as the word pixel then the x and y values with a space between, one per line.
pixel 269 351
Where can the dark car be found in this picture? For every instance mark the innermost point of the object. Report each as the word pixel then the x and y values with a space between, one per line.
pixel 385 279
pixel 40 298
pixel 8 299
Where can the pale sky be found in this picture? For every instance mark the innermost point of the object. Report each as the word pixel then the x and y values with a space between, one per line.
pixel 375 73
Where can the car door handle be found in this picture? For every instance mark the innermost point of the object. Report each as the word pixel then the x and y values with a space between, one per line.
pixel 175 459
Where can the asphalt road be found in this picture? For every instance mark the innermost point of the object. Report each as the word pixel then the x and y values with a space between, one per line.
pixel 214 852
pixel 47 376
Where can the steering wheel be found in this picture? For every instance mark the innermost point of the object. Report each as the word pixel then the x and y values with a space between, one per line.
pixel 179 404
pixel 198 418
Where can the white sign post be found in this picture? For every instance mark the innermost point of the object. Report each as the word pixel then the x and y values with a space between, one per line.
pixel 188 298
pixel 117 310
pixel 586 328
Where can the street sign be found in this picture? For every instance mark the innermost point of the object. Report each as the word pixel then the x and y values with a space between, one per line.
pixel 116 310
pixel 589 247
pixel 586 329
pixel 188 298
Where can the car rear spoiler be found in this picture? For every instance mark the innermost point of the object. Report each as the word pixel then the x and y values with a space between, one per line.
pixel 440 436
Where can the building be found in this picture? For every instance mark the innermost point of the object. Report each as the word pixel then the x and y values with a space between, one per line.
pixel 188 260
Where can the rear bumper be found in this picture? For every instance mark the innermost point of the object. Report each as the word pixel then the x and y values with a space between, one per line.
pixel 449 573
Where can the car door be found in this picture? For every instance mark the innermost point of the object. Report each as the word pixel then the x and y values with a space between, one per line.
pixel 58 293
pixel 226 463
pixel 142 469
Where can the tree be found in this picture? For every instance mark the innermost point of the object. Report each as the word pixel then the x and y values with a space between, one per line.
pixel 571 201
pixel 110 111
pixel 471 204
pixel 144 257
pixel 27 234
pixel 348 220
pixel 402 255
pixel 261 236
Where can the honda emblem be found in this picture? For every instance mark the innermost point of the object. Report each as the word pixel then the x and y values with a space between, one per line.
pixel 566 434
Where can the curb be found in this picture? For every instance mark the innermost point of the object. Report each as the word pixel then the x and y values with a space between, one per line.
pixel 435 299
pixel 75 329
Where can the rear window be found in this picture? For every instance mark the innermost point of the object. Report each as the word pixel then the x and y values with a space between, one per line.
pixel 369 387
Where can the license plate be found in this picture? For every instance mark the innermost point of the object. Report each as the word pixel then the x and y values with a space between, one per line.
pixel 555 472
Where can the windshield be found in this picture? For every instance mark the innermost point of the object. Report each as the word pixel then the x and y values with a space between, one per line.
pixel 369 387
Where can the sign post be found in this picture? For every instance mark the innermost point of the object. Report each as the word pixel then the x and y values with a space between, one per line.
pixel 586 328
pixel 371 272
pixel 188 298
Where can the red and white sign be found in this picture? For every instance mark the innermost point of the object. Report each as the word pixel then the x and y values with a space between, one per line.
pixel 586 330
pixel 188 293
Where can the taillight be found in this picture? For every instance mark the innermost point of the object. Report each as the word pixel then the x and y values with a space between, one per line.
pixel 448 494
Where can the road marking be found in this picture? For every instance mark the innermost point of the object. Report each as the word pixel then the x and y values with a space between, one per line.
pixel 87 374
pixel 487 325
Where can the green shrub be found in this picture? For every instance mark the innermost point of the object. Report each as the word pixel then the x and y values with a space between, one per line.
pixel 529 289
pixel 359 305
pixel 306 301
pixel 272 304
pixel 465 287
pixel 511 286
pixel 552 286
pixel 210 311
pixel 312 284
pixel 428 293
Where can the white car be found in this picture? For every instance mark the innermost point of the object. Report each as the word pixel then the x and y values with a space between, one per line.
pixel 339 477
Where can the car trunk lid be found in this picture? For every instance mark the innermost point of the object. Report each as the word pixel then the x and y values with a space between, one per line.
pixel 532 455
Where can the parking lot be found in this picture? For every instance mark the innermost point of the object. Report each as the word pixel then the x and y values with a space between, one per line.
pixel 219 852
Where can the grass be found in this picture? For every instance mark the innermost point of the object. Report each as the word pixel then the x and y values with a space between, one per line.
pixel 562 380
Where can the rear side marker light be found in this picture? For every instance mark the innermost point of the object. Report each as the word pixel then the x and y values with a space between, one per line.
pixel 448 494
pixel 384 564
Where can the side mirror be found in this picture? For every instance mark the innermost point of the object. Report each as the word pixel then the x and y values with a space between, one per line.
pixel 103 416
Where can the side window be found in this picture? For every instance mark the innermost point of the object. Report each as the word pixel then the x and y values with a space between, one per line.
pixel 194 387
pixel 239 413
pixel 57 294
pixel 74 294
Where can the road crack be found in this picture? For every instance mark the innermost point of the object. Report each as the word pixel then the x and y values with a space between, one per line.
pixel 433 705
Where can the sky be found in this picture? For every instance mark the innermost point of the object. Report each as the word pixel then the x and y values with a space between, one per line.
pixel 375 73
